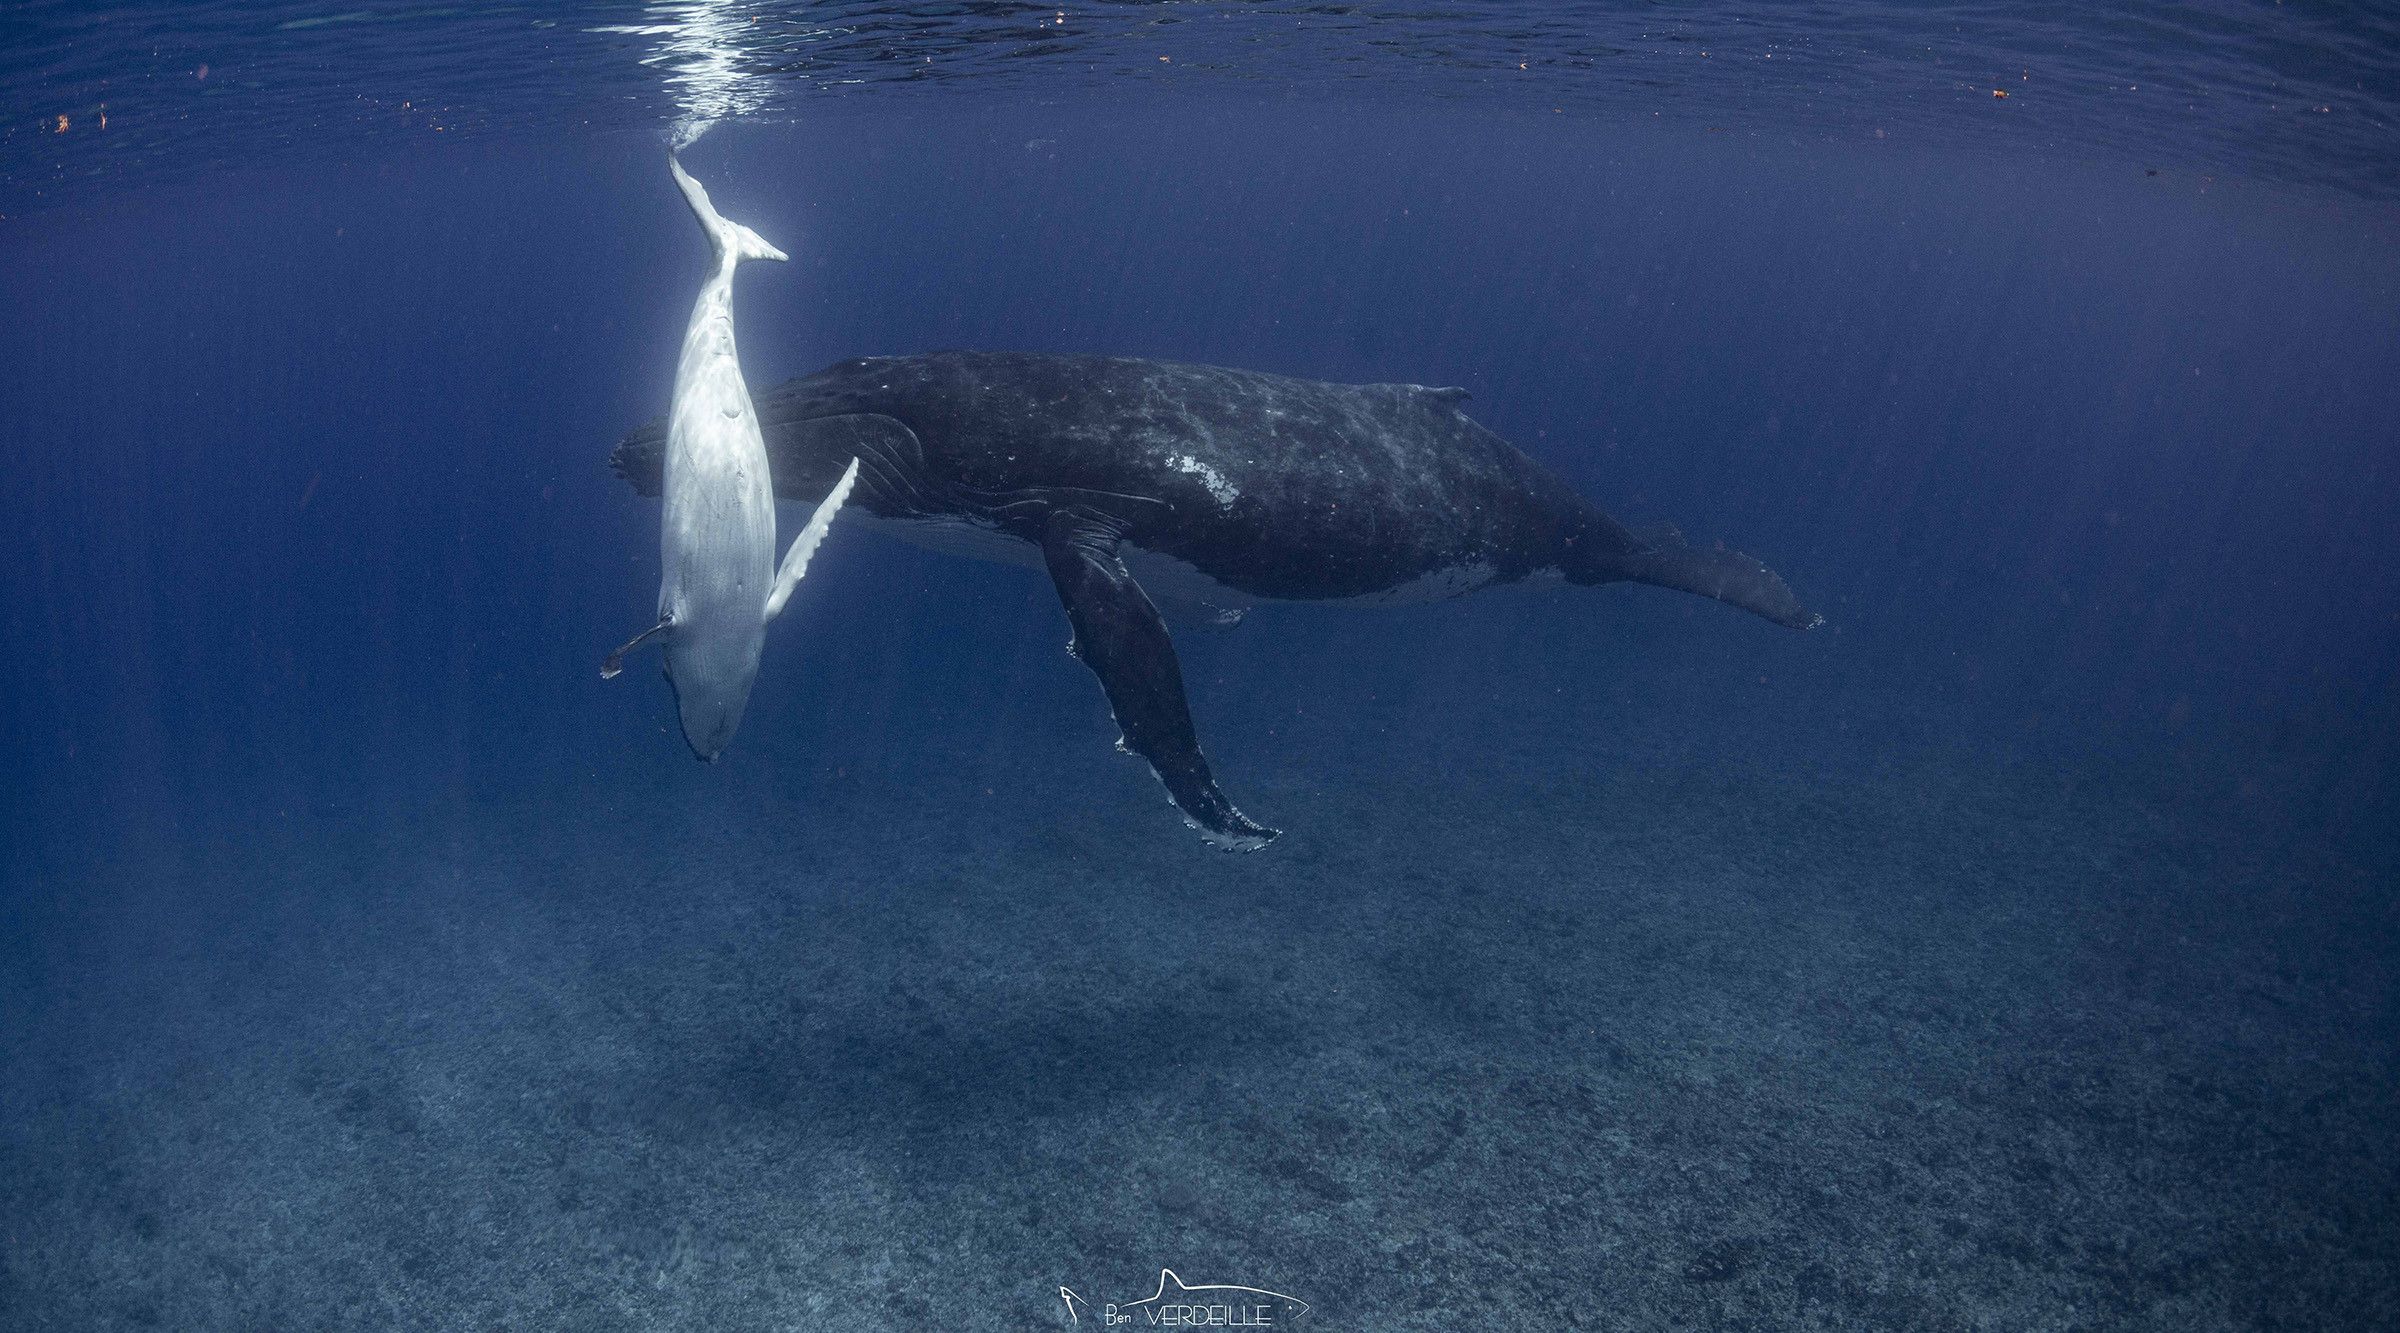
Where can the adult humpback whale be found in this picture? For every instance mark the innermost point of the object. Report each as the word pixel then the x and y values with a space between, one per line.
pixel 1220 486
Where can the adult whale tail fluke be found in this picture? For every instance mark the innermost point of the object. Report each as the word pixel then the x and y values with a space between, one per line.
pixel 729 237
pixel 1658 555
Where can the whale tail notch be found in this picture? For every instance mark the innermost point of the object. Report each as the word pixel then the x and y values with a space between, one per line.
pixel 1658 555
pixel 726 235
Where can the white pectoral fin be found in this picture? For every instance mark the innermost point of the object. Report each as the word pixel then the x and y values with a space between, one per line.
pixel 795 558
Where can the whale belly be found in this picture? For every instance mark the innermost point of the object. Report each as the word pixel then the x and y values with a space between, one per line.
pixel 952 534
pixel 1171 577
pixel 717 535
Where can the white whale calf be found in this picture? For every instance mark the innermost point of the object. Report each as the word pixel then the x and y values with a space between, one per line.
pixel 719 584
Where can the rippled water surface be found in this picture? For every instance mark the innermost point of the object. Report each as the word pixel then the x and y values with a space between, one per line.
pixel 2297 93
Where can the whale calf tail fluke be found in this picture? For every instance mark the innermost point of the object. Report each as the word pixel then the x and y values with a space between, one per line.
pixel 1658 555
pixel 730 238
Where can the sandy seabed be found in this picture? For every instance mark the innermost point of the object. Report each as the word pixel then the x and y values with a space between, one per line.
pixel 1501 1035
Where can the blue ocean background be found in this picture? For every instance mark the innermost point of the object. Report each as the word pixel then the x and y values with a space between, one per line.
pixel 2017 951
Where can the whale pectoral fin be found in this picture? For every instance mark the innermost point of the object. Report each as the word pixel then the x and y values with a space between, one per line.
pixel 795 558
pixel 1119 635
pixel 615 662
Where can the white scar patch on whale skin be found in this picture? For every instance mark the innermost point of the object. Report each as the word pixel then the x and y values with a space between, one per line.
pixel 1209 477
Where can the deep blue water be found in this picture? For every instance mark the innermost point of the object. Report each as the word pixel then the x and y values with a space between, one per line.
pixel 2016 951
